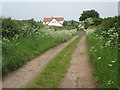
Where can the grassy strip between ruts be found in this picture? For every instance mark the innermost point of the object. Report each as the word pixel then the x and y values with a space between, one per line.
pixel 51 76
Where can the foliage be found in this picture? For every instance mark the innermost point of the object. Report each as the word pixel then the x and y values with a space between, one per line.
pixel 75 25
pixel 104 59
pixel 33 23
pixel 17 50
pixel 88 22
pixel 110 22
pixel 10 28
pixel 16 28
pixel 51 76
pixel 97 21
pixel 92 22
pixel 89 14
pixel 102 41
pixel 108 28
pixel 65 23
pixel 71 24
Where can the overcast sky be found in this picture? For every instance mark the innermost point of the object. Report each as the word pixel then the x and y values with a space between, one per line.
pixel 68 10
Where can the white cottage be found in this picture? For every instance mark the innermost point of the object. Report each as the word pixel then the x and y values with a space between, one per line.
pixel 53 21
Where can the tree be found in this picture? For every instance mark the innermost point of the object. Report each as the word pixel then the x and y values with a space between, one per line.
pixel 97 21
pixel 89 14
pixel 75 25
pixel 88 22
pixel 72 22
pixel 65 23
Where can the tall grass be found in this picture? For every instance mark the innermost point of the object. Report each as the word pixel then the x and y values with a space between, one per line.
pixel 105 61
pixel 102 41
pixel 17 52
pixel 51 76
pixel 22 40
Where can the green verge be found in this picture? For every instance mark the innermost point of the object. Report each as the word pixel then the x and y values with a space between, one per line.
pixel 105 62
pixel 53 73
pixel 16 53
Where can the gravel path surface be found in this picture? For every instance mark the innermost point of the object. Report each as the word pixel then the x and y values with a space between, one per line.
pixel 80 72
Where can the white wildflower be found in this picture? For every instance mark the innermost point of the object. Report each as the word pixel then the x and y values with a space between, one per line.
pixel 113 61
pixel 110 65
pixel 99 58
pixel 101 46
pixel 95 50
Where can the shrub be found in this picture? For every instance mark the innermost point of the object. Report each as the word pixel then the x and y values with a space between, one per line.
pixel 97 21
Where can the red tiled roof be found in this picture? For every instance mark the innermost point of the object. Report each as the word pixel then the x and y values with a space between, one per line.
pixel 49 19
